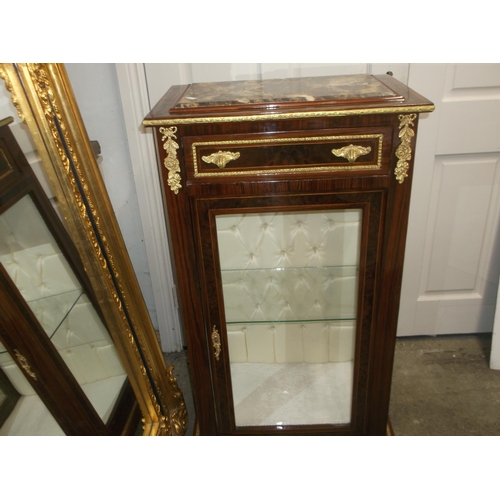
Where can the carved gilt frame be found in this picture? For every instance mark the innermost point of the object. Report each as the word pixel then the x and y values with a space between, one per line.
pixel 45 101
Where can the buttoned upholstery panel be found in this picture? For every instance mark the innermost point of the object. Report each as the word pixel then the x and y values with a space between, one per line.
pixel 290 239
pixel 81 338
pixel 290 285
pixel 88 363
pixel 289 295
pixel 30 254
pixel 292 342
pixel 39 270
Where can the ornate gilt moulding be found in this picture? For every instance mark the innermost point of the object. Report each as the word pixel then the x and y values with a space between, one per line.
pixel 351 152
pixel 274 100
pixel 221 158
pixel 44 99
pixel 24 363
pixel 403 153
pixel 287 116
pixel 171 162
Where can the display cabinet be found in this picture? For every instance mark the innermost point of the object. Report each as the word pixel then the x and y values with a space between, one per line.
pixel 55 349
pixel 287 205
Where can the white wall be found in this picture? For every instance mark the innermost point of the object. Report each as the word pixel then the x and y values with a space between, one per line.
pixel 97 93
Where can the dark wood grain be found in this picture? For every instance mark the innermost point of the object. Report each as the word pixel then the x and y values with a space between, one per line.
pixel 186 272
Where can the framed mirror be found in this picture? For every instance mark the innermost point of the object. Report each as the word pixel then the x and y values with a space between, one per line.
pixel 45 102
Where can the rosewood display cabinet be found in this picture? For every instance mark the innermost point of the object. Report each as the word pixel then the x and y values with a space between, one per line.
pixel 287 205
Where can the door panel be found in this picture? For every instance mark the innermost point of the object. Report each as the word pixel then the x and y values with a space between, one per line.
pixel 463 191
pixel 290 311
pixel 452 264
pixel 289 283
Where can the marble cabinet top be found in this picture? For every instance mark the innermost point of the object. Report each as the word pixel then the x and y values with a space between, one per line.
pixel 280 92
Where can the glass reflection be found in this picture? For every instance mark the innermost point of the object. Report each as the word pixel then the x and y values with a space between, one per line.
pixel 290 295
pixel 36 265
pixel 30 417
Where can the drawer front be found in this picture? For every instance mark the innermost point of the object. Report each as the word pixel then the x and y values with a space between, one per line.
pixel 286 155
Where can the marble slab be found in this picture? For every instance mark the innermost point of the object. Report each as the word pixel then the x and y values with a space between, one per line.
pixel 279 92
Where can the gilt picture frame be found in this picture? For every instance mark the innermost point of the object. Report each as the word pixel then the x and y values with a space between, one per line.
pixel 45 101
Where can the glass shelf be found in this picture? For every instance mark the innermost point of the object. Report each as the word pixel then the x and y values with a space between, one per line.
pixel 51 311
pixel 290 281
pixel 346 270
pixel 291 321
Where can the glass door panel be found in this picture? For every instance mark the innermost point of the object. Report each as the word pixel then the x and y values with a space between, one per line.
pixel 290 282
pixel 38 268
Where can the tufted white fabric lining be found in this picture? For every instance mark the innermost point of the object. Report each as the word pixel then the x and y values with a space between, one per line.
pixel 290 294
pixel 291 342
pixel 289 239
pixel 290 286
pixel 33 260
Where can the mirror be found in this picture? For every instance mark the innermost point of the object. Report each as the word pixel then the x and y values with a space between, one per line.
pixel 43 276
pixel 44 100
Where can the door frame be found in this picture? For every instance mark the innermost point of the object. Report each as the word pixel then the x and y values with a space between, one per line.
pixel 373 203
pixel 136 105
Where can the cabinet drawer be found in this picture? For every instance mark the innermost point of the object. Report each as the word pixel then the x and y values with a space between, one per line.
pixel 285 154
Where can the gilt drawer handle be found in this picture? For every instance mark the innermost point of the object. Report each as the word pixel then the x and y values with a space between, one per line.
pixel 351 152
pixel 216 342
pixel 221 158
pixel 25 365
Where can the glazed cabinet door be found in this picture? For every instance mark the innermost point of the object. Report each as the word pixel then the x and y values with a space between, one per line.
pixel 289 284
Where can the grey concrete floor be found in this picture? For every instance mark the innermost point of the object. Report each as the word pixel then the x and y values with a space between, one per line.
pixel 181 374
pixel 442 386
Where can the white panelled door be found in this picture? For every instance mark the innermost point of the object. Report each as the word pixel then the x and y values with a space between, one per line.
pixel 452 258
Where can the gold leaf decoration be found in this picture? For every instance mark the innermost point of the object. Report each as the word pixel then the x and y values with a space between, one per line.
pixel 351 152
pixel 171 162
pixel 221 158
pixel 25 365
pixel 8 85
pixel 56 122
pixel 216 342
pixel 403 152
pixel 179 416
